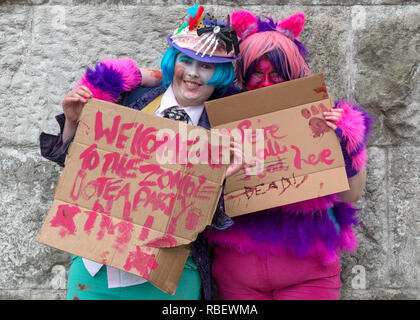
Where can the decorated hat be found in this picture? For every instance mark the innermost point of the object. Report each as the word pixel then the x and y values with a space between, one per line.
pixel 204 38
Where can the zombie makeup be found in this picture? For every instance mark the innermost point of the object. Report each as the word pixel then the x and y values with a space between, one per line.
pixel 264 75
pixel 190 81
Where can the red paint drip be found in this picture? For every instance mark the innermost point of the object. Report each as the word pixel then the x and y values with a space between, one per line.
pixel 144 234
pixel 163 242
pixel 156 74
pixel 144 263
pixel 103 256
pixel 64 219
pixel 193 217
pixel 90 222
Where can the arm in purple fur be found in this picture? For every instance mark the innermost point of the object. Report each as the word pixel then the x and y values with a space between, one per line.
pixel 353 130
pixel 107 81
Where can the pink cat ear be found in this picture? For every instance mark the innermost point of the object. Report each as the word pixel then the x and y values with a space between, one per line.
pixel 244 23
pixel 293 23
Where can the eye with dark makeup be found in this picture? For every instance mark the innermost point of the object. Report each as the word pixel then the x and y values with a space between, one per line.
pixel 207 66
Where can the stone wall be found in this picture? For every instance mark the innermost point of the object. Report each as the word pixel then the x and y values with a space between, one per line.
pixel 368 50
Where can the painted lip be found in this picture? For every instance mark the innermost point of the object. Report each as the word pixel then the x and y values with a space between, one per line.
pixel 192 84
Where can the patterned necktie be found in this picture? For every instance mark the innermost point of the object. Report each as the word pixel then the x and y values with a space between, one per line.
pixel 177 114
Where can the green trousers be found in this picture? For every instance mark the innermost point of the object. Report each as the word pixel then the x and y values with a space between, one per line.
pixel 82 286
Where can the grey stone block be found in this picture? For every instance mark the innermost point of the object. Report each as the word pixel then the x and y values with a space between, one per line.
pixel 404 218
pixel 373 234
pixel 386 75
pixel 26 192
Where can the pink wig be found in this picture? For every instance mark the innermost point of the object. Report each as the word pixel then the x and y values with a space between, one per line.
pixel 258 44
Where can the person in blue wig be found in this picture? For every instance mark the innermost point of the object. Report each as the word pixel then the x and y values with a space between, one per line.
pixel 196 67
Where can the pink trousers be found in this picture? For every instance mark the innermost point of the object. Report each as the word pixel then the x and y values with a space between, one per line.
pixel 284 277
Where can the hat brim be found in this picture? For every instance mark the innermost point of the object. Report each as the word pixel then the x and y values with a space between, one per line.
pixel 194 55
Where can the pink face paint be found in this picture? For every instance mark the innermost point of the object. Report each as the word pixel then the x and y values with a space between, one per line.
pixel 264 75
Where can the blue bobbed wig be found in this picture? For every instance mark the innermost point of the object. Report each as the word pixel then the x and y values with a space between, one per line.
pixel 221 80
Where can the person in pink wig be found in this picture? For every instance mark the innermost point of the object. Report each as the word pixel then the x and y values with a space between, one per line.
pixel 293 251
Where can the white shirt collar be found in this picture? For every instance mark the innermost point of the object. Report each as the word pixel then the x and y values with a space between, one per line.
pixel 169 100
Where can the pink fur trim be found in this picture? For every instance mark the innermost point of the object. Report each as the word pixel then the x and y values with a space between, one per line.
pixel 293 23
pixel 352 125
pixel 128 69
pixel 324 254
pixel 97 93
pixel 312 206
pixel 244 23
pixel 359 160
pixel 242 243
pixel 349 240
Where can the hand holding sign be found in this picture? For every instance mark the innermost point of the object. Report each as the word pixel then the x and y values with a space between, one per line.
pixel 302 157
pixel 333 116
pixel 115 195
pixel 73 104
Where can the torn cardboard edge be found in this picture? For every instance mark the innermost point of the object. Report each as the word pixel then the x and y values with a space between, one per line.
pixel 225 110
pixel 170 260
pixel 268 195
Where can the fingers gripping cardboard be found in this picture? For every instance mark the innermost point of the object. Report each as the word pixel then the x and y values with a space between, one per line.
pixel 301 158
pixel 116 203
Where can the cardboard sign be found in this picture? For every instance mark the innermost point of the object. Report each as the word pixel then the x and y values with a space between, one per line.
pixel 302 155
pixel 117 204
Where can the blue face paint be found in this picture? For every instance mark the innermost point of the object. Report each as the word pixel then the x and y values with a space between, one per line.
pixel 190 81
